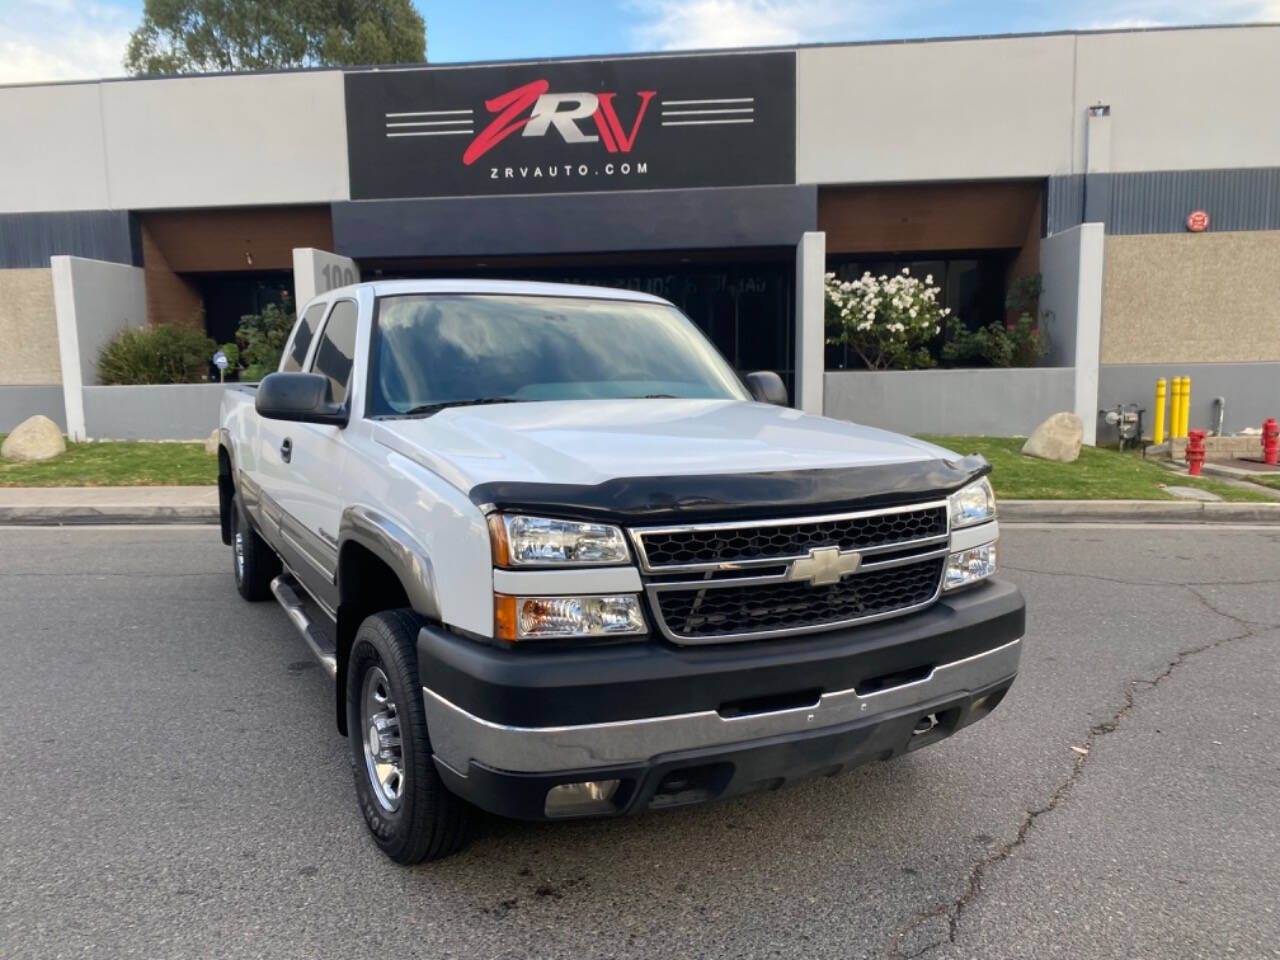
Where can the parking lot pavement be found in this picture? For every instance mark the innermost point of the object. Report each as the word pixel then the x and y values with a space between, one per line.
pixel 174 787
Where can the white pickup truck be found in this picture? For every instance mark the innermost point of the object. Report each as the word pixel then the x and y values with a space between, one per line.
pixel 562 561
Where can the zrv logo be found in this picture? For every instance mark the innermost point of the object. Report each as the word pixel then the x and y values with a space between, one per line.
pixel 535 110
pixel 651 123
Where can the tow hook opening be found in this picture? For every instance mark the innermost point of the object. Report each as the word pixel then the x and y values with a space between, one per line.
pixel 924 725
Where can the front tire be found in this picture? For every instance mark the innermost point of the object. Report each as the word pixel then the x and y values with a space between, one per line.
pixel 255 563
pixel 411 814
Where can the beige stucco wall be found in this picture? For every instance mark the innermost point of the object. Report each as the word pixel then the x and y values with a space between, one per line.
pixel 28 328
pixel 1208 298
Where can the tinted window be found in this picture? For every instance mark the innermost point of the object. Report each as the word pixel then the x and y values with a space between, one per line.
pixel 456 348
pixel 302 339
pixel 337 347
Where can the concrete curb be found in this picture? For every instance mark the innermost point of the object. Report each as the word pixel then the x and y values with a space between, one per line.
pixel 128 510
pixel 1137 511
pixel 66 506
pixel 83 516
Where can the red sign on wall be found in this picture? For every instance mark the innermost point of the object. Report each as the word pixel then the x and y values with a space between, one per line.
pixel 1198 221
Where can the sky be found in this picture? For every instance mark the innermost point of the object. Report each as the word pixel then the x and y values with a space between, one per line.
pixel 43 40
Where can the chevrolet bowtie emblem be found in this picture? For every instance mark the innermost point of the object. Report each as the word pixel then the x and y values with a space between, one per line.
pixel 825 566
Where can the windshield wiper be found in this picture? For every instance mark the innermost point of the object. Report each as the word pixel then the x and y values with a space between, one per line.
pixel 656 396
pixel 427 408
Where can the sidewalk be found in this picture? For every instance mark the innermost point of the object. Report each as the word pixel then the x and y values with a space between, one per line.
pixel 79 505
pixel 58 506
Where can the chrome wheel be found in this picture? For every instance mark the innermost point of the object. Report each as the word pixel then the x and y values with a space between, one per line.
pixel 380 730
pixel 238 546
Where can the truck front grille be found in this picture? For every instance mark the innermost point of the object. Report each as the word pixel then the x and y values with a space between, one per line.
pixel 716 613
pixel 718 545
pixel 712 583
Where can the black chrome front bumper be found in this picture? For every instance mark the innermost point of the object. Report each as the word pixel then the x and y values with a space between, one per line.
pixel 680 726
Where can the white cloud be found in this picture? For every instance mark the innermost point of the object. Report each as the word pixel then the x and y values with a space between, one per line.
pixel 695 24
pixel 50 40
pixel 1130 14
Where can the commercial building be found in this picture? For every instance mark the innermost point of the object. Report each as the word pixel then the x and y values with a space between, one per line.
pixel 727 182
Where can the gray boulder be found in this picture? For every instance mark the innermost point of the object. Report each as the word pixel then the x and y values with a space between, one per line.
pixel 36 438
pixel 1058 438
pixel 211 442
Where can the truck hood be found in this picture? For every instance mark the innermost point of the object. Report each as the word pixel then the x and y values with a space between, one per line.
pixel 591 442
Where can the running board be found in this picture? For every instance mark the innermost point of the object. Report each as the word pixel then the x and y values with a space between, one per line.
pixel 290 596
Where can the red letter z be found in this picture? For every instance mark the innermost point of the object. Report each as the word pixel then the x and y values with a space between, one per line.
pixel 504 124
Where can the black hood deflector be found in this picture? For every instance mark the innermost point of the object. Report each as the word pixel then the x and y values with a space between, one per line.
pixel 700 498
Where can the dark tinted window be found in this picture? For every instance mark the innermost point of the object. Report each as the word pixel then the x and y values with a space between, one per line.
pixel 337 348
pixel 302 339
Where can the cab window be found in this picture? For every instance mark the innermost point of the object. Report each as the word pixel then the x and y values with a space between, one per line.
pixel 337 349
pixel 302 339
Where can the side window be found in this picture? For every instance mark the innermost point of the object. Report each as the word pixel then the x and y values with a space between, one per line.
pixel 302 339
pixel 337 349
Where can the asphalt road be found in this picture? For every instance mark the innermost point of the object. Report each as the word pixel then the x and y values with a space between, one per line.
pixel 173 786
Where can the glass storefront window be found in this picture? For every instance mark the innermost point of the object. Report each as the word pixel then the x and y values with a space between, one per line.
pixel 972 286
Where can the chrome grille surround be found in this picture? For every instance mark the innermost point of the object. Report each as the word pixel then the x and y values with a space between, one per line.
pixel 768 567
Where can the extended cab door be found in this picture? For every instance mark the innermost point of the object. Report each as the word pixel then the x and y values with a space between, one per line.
pixel 266 490
pixel 310 496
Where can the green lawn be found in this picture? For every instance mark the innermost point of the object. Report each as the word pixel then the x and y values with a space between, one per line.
pixel 1269 480
pixel 116 465
pixel 1097 475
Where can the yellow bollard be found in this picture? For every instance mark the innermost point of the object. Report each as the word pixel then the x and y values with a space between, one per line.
pixel 1157 435
pixel 1186 405
pixel 1175 411
pixel 1182 397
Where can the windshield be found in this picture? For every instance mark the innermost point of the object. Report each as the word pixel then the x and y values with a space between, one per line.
pixel 435 350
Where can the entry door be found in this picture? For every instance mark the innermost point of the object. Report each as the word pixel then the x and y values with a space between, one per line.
pixel 312 506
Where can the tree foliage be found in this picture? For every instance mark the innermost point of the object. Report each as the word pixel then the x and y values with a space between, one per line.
pixel 212 36
pixel 260 341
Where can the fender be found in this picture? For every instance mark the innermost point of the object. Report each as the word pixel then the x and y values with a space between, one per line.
pixel 407 560
pixel 398 549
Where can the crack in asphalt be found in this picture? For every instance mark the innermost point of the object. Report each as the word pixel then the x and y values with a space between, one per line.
pixel 953 910
pixel 1190 584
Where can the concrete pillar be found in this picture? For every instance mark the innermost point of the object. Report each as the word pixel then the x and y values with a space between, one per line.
pixel 319 271
pixel 1088 353
pixel 1071 266
pixel 93 300
pixel 811 265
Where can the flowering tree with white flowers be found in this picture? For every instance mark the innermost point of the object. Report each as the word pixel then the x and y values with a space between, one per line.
pixel 888 321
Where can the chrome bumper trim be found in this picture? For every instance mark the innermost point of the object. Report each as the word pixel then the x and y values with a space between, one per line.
pixel 459 737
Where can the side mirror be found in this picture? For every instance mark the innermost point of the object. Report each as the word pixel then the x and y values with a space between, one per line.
pixel 302 397
pixel 767 387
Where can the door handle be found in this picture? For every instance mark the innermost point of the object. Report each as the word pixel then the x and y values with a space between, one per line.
pixel 286 449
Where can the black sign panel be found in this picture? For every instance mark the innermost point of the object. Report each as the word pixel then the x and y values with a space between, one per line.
pixel 631 124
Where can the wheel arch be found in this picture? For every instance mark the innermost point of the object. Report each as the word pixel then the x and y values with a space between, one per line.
pixel 380 567
pixel 226 484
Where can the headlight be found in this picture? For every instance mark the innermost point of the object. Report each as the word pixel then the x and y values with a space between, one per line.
pixel 547 618
pixel 975 503
pixel 970 566
pixel 537 541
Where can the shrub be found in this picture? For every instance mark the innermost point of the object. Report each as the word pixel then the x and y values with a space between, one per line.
pixel 887 321
pixel 158 354
pixel 260 340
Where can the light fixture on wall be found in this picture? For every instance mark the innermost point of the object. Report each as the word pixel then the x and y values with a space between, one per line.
pixel 248 254
pixel 1100 110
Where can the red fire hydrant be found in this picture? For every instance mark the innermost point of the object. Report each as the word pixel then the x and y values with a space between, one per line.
pixel 1270 441
pixel 1195 451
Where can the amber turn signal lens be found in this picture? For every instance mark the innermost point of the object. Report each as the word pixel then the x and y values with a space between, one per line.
pixel 498 541
pixel 504 616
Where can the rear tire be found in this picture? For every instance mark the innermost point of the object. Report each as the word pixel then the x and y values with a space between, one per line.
pixel 412 815
pixel 255 564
